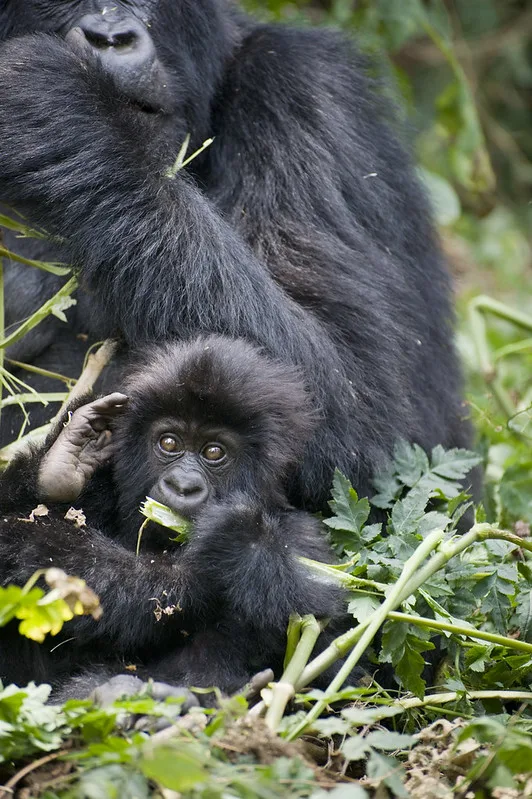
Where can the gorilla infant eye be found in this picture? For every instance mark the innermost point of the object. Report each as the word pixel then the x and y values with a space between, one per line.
pixel 169 443
pixel 213 453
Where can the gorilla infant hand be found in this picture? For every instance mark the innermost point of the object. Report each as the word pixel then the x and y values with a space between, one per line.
pixel 83 446
pixel 213 429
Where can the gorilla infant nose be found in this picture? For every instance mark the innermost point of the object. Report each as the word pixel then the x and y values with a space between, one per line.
pixel 184 493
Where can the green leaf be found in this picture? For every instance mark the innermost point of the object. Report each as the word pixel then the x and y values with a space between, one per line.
pixel 53 268
pixel 363 605
pixel 355 748
pixel 360 717
pixel 410 462
pixel 350 514
pixel 523 614
pixel 112 782
pixel 516 491
pixel 389 741
pixel 179 768
pixel 402 646
pixel 453 464
pixel 408 512
pixel 388 771
pixel 443 198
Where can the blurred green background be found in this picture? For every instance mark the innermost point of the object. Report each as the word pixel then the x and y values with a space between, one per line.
pixel 462 70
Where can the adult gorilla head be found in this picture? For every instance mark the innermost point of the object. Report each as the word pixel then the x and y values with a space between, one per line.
pixel 134 45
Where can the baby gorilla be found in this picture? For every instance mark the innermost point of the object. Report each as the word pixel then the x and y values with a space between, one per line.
pixel 213 429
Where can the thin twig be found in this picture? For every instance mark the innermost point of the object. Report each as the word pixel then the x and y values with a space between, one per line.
pixel 96 362
pixel 7 789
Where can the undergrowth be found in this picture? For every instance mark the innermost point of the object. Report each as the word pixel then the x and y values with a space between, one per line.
pixel 419 593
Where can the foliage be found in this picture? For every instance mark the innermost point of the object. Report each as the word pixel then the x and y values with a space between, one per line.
pixel 40 613
pixel 466 597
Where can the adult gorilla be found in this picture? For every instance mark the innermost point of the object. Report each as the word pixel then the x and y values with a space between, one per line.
pixel 301 229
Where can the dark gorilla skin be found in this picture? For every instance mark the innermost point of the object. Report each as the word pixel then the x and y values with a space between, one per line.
pixel 232 587
pixel 301 229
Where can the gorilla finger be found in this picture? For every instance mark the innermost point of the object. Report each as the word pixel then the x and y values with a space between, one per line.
pixel 111 404
pixel 162 690
pixel 119 687
pixel 259 681
pixel 102 410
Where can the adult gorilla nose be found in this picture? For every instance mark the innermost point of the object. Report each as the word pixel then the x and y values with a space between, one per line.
pixel 184 493
pixel 113 36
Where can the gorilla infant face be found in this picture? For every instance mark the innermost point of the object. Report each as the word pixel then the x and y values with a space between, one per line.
pixel 194 463
pixel 204 419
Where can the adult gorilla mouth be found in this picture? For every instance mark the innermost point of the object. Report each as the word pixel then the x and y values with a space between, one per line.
pixel 125 50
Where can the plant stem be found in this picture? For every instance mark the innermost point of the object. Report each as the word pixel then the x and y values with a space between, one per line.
pixel 459 629
pixel 341 577
pixel 293 634
pixel 44 311
pixel 373 623
pixel 341 645
pixel 90 374
pixel 284 690
pixel 412 577
pixel 24 399
pixel 451 696
pixel 29 367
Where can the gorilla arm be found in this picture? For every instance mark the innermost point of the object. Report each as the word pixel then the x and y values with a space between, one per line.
pixel 253 552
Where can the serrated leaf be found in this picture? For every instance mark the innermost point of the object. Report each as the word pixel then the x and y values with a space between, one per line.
pixel 346 505
pixel 387 770
pixel 408 512
pixel 523 614
pixel 389 741
pixel 350 514
pixel 179 769
pixel 334 725
pixel 363 605
pixel 516 491
pixel 360 717
pixel 355 748
pixel 410 462
pixel 453 464
pixel 477 657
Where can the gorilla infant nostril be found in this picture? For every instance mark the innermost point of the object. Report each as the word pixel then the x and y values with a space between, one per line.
pixel 185 493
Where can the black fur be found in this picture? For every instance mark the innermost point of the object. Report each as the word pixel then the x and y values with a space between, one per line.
pixel 231 588
pixel 302 228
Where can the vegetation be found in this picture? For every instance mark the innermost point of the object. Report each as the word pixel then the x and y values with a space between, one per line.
pixel 419 591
